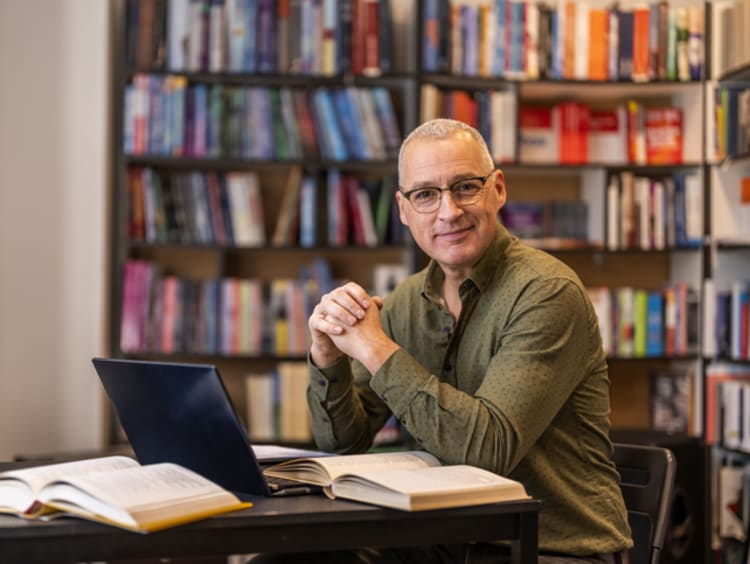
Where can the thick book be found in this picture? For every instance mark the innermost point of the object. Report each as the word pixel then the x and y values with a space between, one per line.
pixel 410 481
pixel 115 490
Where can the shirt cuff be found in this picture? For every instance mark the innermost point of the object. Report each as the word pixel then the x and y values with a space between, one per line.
pixel 332 381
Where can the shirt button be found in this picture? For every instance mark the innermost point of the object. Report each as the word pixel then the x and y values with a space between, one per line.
pixel 448 366
pixel 322 382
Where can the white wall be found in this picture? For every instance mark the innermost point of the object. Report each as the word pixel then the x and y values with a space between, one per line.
pixel 54 150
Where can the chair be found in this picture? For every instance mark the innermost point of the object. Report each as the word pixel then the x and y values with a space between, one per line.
pixel 646 478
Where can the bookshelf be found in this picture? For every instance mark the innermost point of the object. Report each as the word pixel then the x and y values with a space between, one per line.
pixel 726 285
pixel 246 183
pixel 576 183
pixel 426 78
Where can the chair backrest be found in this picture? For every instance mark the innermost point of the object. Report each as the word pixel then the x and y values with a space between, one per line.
pixel 646 479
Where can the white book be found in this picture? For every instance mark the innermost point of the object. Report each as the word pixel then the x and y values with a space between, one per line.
pixel 694 208
pixel 410 481
pixel 178 29
pixel 365 214
pixel 745 443
pixel 709 319
pixel 503 135
pixel 261 406
pixel 115 490
pixel 613 213
pixel 731 399
pixel 659 224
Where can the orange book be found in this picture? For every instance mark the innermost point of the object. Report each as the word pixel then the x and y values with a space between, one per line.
pixel 464 107
pixel 598 44
pixel 569 43
pixel 640 43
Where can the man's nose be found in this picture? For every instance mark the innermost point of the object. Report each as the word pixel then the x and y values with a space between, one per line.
pixel 448 206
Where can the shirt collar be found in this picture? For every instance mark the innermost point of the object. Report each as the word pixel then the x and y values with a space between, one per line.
pixel 482 273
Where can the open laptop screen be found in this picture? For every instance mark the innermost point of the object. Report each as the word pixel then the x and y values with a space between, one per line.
pixel 181 413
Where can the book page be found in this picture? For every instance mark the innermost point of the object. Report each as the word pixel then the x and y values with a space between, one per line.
pixel 38 476
pixel 322 471
pixel 145 498
pixel 435 480
pixel 427 488
pixel 143 486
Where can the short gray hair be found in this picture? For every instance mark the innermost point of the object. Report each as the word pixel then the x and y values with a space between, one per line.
pixel 442 128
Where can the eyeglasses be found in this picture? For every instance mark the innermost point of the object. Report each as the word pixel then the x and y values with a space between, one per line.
pixel 464 192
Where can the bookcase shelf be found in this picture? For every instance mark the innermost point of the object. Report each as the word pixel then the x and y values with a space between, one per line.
pixel 648 269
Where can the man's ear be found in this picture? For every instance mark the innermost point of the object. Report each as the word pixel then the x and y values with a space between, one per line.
pixel 500 188
pixel 402 201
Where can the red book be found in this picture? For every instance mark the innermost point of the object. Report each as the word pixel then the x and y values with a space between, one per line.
pixel 371 59
pixel 663 136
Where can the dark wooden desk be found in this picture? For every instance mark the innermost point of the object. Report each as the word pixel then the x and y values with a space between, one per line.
pixel 294 524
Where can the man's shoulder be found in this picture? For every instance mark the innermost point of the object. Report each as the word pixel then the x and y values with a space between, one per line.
pixel 536 264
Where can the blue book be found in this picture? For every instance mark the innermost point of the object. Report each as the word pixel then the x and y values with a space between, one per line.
pixel 250 51
pixel 470 35
pixel 326 117
pixel 226 210
pixel 352 125
pixel 267 48
pixel 308 212
pixel 625 26
pixel 200 120
pixel 723 324
pixel 430 35
pixel 655 324
pixel 388 121
pixel 498 62
pixel 215 120
pixel 515 63
pixel 556 56
pixel 680 233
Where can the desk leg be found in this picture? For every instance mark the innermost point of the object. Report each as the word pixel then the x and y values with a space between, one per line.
pixel 525 550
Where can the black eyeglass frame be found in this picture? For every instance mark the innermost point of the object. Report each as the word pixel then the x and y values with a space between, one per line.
pixel 407 194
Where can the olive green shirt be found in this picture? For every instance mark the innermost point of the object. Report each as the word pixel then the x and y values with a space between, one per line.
pixel 517 385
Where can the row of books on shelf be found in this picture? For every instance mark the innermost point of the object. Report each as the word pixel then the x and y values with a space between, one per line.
pixel 226 208
pixel 565 40
pixel 727 311
pixel 276 404
pixel 168 116
pixel 573 133
pixel 654 213
pixel 168 314
pixel 732 118
pixel 728 405
pixel 636 322
pixel 277 412
pixel 732 32
pixel 558 222
pixel 492 112
pixel 308 37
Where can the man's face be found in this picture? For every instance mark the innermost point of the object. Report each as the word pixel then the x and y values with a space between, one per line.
pixel 456 236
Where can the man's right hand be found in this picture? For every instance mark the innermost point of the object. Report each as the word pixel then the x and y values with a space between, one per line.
pixel 341 307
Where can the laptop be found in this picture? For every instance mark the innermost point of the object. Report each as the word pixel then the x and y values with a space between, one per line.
pixel 181 413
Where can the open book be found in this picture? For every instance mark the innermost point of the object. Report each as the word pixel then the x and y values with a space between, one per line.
pixel 115 490
pixel 411 481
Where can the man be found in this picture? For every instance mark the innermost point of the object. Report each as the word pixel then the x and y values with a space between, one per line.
pixel 491 356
